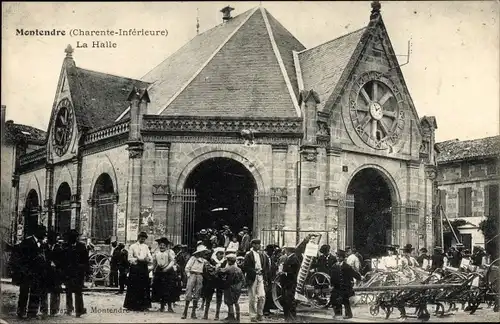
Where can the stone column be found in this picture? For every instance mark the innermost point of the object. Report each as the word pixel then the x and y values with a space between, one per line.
pixel 408 229
pixel 75 207
pixel 48 201
pixel 331 195
pixel 430 186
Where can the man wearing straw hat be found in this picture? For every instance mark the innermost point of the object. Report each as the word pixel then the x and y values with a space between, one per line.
pixel 194 271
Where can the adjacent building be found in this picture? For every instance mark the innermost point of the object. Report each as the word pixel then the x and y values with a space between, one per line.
pixel 468 179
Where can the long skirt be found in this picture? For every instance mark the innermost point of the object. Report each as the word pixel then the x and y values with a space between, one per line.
pixel 138 296
pixel 164 287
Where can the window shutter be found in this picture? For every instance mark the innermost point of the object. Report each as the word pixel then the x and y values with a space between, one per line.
pixel 486 200
pixel 493 208
pixel 442 199
pixel 461 202
pixel 468 202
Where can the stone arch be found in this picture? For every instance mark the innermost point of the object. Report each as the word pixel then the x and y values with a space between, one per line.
pixel 31 212
pixel 254 166
pixel 106 166
pixel 33 184
pixel 392 184
pixel 64 175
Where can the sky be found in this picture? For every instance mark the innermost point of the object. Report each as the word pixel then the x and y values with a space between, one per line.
pixel 452 74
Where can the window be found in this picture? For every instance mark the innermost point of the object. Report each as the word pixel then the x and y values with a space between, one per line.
pixel 465 202
pixel 491 200
pixel 465 170
pixel 491 168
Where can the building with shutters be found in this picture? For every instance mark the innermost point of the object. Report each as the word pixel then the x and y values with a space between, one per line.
pixel 467 181
pixel 241 126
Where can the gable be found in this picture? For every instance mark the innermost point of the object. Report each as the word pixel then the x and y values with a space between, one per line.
pixel 247 77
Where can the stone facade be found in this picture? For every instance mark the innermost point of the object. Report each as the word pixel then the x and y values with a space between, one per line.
pixel 302 164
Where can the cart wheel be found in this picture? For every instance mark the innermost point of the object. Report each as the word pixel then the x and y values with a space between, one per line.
pixel 318 289
pixel 277 292
pixel 374 310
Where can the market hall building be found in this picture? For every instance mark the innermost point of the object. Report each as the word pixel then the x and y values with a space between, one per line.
pixel 242 126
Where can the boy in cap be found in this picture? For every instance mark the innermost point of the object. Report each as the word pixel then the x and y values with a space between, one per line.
pixel 233 280
pixel 194 272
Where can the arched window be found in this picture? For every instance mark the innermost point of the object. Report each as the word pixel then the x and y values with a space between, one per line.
pixel 63 209
pixel 31 211
pixel 103 211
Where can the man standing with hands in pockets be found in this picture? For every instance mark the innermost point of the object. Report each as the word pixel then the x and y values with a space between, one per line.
pixel 256 268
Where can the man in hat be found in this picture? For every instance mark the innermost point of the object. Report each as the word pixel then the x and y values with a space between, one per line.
pixel 343 275
pixel 113 274
pixel 121 256
pixel 137 297
pixel 245 244
pixel 256 269
pixel 54 264
pixel 31 278
pixel 437 259
pixel 423 259
pixel 77 266
pixel 194 272
pixel 270 254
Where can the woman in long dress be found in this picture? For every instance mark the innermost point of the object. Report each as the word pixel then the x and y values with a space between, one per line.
pixel 139 257
pixel 164 276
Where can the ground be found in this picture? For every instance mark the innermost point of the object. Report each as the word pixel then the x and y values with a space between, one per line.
pixel 99 304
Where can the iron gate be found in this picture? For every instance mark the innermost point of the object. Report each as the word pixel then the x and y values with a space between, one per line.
pixel 63 217
pixel 102 222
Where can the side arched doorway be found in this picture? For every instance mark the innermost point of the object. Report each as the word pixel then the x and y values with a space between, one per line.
pixel 225 195
pixel 31 212
pixel 371 199
pixel 103 216
pixel 63 209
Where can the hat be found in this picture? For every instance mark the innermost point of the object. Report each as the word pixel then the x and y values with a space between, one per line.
pixel 255 241
pixel 347 248
pixel 438 248
pixel 121 244
pixel 229 251
pixel 199 243
pixel 218 249
pixel 200 248
pixel 245 228
pixel 231 257
pixel 408 248
pixel 225 227
pixel 341 253
pixel 203 232
pixel 71 233
pixel 390 248
pixel 423 250
pixel 143 234
pixel 163 240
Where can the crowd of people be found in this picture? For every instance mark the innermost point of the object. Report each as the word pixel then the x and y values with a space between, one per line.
pixel 222 264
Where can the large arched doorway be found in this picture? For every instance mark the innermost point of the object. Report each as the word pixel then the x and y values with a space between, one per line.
pixel 31 212
pixel 103 211
pixel 225 192
pixel 369 222
pixel 63 209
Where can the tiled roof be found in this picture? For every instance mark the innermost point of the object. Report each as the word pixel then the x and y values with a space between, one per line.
pixel 231 69
pixel 323 65
pixel 455 150
pixel 99 98
pixel 19 132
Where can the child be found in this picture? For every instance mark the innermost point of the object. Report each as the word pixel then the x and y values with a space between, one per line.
pixel 233 279
pixel 211 282
pixel 234 244
pixel 194 271
pixel 164 276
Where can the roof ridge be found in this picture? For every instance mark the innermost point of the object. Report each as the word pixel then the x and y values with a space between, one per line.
pixel 332 40
pixel 277 54
pixel 217 50
pixel 110 74
pixel 470 140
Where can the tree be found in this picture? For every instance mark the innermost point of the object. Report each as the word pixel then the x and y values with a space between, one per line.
pixel 490 228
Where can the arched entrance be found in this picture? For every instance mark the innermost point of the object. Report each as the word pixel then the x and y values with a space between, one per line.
pixel 103 210
pixel 225 192
pixel 369 216
pixel 31 212
pixel 63 209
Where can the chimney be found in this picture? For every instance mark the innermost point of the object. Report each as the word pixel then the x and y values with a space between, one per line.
pixel 226 13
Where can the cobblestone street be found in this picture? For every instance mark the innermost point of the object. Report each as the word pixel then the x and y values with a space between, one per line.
pixel 106 308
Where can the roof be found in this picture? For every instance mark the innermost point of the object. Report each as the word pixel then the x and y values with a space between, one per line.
pixel 243 67
pixel 99 98
pixel 455 150
pixel 19 132
pixel 323 65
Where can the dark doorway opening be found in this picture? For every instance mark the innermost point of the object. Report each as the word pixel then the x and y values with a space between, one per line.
pixel 31 210
pixel 372 220
pixel 225 192
pixel 63 209
pixel 103 218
